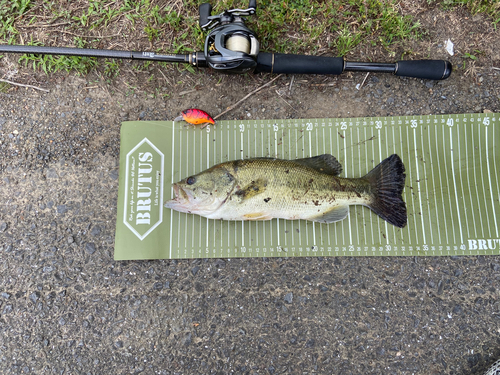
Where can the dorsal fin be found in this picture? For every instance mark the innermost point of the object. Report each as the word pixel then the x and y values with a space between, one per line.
pixel 325 163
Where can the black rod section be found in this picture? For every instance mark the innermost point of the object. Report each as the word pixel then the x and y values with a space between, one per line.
pixel 101 53
pixel 369 67
pixel 298 64
pixel 425 69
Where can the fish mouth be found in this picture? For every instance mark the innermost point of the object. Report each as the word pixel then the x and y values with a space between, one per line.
pixel 181 197
pixel 192 202
pixel 180 193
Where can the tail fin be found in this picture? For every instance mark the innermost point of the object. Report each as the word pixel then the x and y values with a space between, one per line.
pixel 387 182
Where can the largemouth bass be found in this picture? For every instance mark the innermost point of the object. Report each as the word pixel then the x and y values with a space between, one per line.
pixel 307 189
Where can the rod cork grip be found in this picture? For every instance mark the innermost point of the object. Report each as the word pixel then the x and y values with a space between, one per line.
pixel 298 64
pixel 426 69
pixel 205 11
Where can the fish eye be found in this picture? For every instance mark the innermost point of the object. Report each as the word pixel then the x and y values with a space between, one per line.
pixel 191 180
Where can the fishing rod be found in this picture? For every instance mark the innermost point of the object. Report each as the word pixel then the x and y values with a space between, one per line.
pixel 231 47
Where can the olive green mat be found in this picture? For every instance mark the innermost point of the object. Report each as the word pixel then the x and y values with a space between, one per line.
pixel 452 188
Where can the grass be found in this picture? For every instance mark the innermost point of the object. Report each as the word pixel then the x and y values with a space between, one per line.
pixel 351 23
pixel 336 27
pixel 489 7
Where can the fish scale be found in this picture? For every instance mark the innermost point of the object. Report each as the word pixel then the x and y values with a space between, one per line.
pixel 298 190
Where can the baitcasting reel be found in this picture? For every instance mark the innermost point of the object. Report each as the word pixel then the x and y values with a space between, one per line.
pixel 230 46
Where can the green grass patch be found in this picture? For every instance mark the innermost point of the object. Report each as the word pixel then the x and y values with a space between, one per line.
pixel 489 7
pixel 334 27
pixel 10 12
pixel 352 22
pixel 54 63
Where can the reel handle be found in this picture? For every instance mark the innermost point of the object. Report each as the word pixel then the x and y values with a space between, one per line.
pixel 205 10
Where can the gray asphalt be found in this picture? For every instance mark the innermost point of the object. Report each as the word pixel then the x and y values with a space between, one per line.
pixel 66 307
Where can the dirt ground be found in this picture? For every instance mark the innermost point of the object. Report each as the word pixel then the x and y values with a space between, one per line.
pixel 67 307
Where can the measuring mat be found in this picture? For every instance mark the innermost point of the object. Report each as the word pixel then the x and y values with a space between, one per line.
pixel 452 188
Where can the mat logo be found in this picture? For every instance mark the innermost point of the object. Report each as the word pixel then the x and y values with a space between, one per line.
pixel 484 244
pixel 143 208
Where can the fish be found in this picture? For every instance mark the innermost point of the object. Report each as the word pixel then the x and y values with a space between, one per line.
pixel 306 189
pixel 195 116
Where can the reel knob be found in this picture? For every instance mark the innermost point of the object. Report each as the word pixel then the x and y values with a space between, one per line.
pixel 205 10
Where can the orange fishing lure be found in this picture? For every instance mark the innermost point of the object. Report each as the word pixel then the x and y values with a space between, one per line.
pixel 196 117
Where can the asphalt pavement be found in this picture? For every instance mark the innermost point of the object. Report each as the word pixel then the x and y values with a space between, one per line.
pixel 66 307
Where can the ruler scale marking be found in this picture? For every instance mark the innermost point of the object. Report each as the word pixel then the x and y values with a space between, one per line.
pixel 276 155
pixel 208 166
pixel 330 151
pixel 455 184
pixel 475 179
pixel 172 190
pixel 411 183
pixel 461 179
pixel 461 182
pixel 359 174
pixel 495 168
pixel 345 175
pixel 468 180
pixel 450 205
pixel 489 179
pixel 441 187
pixel 425 183
pixel 355 216
pixel 313 223
pixel 373 223
pixel 196 168
pixel 366 171
pixel 394 152
pixel 419 190
pixel 482 178
pixel 434 186
pixel 495 163
pixel 405 191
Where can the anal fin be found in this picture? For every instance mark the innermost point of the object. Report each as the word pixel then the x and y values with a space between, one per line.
pixel 257 216
pixel 335 214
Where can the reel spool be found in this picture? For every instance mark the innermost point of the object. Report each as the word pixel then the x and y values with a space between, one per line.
pixel 238 43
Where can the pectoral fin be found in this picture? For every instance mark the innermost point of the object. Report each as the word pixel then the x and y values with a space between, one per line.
pixel 325 163
pixel 336 214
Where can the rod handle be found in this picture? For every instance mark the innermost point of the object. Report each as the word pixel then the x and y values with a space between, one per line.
pixel 298 64
pixel 425 69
